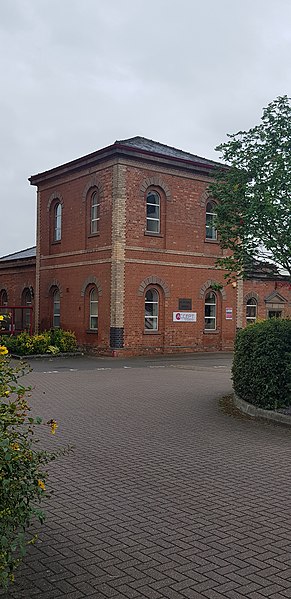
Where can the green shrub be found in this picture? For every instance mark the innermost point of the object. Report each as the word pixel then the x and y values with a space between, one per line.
pixel 51 342
pixel 41 343
pixel 22 469
pixel 64 340
pixel 21 344
pixel 261 368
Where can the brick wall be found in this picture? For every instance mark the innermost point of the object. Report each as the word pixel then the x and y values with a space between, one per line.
pixel 122 260
pixel 15 277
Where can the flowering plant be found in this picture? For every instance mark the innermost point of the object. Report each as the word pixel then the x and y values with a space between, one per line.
pixel 23 472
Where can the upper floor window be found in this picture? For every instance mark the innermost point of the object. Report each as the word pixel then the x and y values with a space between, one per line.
pixel 56 308
pixel 251 310
pixel 210 311
pixel 93 299
pixel 153 212
pixel 3 297
pixel 211 231
pixel 94 213
pixel 58 222
pixel 151 310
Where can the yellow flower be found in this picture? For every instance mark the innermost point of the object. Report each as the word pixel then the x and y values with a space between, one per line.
pixel 41 484
pixel 54 425
pixel 15 446
pixel 6 393
pixel 3 350
pixel 1 317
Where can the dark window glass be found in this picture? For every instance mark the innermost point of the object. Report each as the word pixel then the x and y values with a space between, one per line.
pixel 3 298
pixel 56 309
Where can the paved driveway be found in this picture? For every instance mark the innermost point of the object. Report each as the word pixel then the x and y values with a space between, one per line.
pixel 165 496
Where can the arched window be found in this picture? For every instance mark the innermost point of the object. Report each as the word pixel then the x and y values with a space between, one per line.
pixel 93 299
pixel 26 300
pixel 56 309
pixel 153 212
pixel 3 297
pixel 151 314
pixel 58 222
pixel 210 311
pixel 94 213
pixel 251 310
pixel 211 232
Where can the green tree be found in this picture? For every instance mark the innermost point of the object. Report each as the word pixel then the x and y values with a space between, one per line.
pixel 254 193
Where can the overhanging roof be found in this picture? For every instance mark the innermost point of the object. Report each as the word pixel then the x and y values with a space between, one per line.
pixel 134 147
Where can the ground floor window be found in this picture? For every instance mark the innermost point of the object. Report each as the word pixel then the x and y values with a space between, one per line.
pixel 151 310
pixel 210 311
pixel 93 298
pixel 251 310
pixel 56 309
pixel 275 314
pixel 3 297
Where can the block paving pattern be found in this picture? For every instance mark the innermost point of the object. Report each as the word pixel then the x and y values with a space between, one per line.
pixel 164 496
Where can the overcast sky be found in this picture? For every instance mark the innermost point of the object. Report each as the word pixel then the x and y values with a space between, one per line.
pixel 78 74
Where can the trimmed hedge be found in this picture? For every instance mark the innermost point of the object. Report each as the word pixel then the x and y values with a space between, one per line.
pixel 261 368
pixel 48 342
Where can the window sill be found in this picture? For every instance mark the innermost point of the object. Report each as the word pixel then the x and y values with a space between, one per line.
pixel 153 234
pixel 91 332
pixel 94 234
pixel 211 241
pixel 56 242
pixel 152 333
pixel 209 332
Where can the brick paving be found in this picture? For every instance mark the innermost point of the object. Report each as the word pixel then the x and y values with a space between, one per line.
pixel 165 496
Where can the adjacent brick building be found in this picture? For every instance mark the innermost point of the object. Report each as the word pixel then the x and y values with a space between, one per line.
pixel 126 252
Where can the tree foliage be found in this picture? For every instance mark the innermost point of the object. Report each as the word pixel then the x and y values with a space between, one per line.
pixel 254 192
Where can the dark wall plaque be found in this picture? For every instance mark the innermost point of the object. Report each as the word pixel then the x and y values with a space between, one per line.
pixel 185 303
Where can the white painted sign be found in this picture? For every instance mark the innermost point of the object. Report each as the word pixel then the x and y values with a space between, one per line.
pixel 228 313
pixel 184 316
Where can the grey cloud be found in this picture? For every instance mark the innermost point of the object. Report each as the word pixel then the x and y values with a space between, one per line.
pixel 78 74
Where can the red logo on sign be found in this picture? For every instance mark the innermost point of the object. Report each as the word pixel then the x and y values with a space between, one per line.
pixel 178 316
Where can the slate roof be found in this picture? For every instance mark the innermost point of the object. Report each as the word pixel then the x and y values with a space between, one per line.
pixel 28 253
pixel 148 145
pixel 136 145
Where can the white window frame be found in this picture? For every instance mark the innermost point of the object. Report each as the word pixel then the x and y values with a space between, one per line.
pixel 152 318
pixel 251 319
pixel 94 213
pixel 93 309
pixel 58 222
pixel 210 206
pixel 206 317
pixel 151 218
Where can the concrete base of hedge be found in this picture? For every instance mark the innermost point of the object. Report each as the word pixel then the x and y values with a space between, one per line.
pixel 251 410
pixel 41 356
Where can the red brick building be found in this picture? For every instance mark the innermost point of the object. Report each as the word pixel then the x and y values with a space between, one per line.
pixel 126 252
